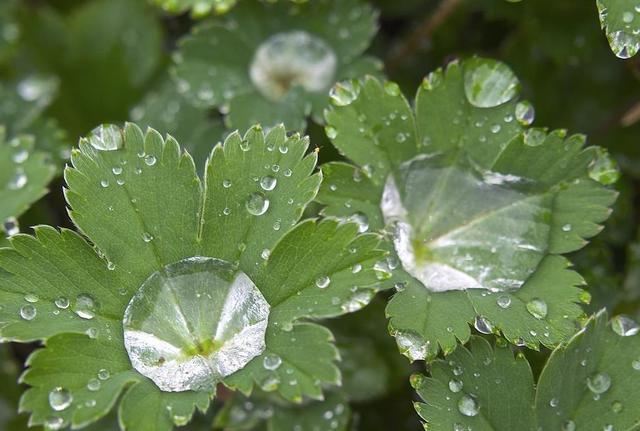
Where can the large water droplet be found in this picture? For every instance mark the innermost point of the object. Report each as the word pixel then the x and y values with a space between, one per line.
pixel 272 362
pixel 257 204
pixel 28 312
pixel 85 306
pixel 489 83
pixel 482 325
pixel 268 183
pixel 455 385
pixel 467 405
pixel 604 168
pixel 412 345
pixel 537 308
pixel 624 44
pixel 503 301
pixel 624 326
pixel 525 113
pixel 60 399
pixel 106 137
pixel 193 323
pixel 599 383
pixel 54 423
pixel 344 93
pixel 292 58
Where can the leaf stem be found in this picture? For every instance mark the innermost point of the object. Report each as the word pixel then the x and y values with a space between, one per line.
pixel 421 34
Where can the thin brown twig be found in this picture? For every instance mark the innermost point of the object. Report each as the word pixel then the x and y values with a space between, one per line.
pixel 421 34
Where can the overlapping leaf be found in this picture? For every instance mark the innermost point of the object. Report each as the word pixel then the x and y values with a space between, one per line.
pixel 24 175
pixel 275 63
pixel 584 385
pixel 479 209
pixel 620 20
pixel 138 198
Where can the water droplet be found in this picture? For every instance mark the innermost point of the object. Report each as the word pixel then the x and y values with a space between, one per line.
pixel 534 137
pixel 106 137
pixel 357 301
pixel 193 323
pixel 627 17
pixel 599 383
pixel 19 180
pixel 257 204
pixel 616 406
pixel 624 44
pixel 294 58
pixel 604 168
pixel 147 237
pixel 268 183
pixel 391 88
pixel 226 183
pixel 344 93
pixel 624 326
pixel 30 297
pixel 525 113
pixel 117 170
pixel 272 362
pixel 489 83
pixel 11 226
pixel 554 402
pixel 483 325
pixel 104 183
pixel 62 303
pixel 104 374
pixel 85 306
pixel 265 254
pixel 28 312
pixel 21 156
pixel 54 423
pixel 467 405
pixel 635 364
pixel 150 160
pixel 94 385
pixel 537 308
pixel 323 282
pixel 569 425
pixel 455 385
pixel 412 346
pixel 495 128
pixel 503 301
pixel 60 399
pixel 92 333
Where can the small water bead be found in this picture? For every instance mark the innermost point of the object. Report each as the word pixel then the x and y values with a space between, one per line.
pixel 120 182
pixel 566 228
pixel 265 254
pixel 495 128
pixel 537 308
pixel 455 385
pixel 599 382
pixel 468 406
pixel 104 183
pixel 60 399
pixel 11 226
pixel 488 83
pixel 150 160
pixel 90 403
pixel 525 113
pixel 226 211
pixel 272 362
pixel 569 425
pixel 147 237
pixel 106 137
pixel 483 325
pixel 624 326
pixel 20 157
pixel 362 220
pixel 28 312
pixel 503 301
pixel 356 268
pixel 94 385
pixel 104 374
pixel 18 181
pixel 226 183
pixel 616 406
pixel 554 402
pixel 30 297
pixel 92 333
pixel 344 93
pixel 117 170
pixel 85 306
pixel 292 58
pixel 268 183
pixel 323 282
pixel 54 423
pixel 62 303
pixel 257 204
pixel 412 346
pixel 635 364
pixel 111 266
pixel 627 17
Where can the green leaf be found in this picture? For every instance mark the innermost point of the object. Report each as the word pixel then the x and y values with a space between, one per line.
pixel 198 8
pixel 275 63
pixel 478 214
pixel 619 20
pixel 584 384
pixel 161 239
pixel 166 110
pixel 262 410
pixel 24 175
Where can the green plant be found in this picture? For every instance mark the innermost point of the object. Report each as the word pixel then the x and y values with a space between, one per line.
pixel 187 263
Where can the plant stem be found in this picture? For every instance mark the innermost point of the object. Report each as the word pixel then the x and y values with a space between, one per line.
pixel 422 33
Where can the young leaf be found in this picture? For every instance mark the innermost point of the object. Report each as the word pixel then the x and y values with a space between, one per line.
pixel 273 63
pixel 583 385
pixel 24 175
pixel 182 286
pixel 478 210
pixel 619 19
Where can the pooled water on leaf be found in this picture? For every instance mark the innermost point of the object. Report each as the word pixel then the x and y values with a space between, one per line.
pixel 489 83
pixel 193 323
pixel 289 59
pixel 455 229
pixel 106 137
